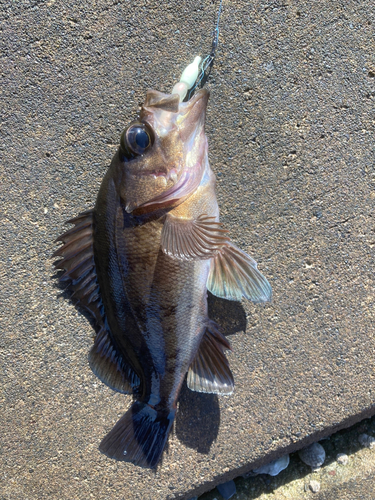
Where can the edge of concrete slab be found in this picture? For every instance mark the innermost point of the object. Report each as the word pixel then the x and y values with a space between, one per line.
pixel 293 447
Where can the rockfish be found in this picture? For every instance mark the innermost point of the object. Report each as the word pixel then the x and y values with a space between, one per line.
pixel 141 262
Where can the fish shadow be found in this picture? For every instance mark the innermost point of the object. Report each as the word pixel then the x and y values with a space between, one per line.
pixel 198 417
pixel 229 315
pixel 66 294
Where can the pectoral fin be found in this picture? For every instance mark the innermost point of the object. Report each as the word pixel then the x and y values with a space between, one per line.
pixel 210 372
pixel 192 239
pixel 234 274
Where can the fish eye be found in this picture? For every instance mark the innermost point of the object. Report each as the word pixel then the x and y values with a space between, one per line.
pixel 136 139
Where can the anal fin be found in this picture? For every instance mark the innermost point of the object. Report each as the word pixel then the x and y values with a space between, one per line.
pixel 234 274
pixel 210 372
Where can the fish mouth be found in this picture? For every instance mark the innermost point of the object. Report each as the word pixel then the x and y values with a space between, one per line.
pixel 185 178
pixel 191 177
pixel 186 185
pixel 197 104
pixel 155 174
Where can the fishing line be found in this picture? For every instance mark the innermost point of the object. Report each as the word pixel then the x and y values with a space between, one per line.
pixel 208 61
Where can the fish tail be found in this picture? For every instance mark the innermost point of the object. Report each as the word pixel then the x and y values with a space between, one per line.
pixel 139 436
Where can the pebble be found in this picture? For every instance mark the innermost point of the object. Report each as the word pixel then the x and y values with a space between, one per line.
pixel 366 440
pixel 342 459
pixel 227 490
pixel 274 467
pixel 314 486
pixel 313 455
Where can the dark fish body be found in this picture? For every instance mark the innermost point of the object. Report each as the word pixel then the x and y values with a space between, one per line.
pixel 158 304
pixel 141 262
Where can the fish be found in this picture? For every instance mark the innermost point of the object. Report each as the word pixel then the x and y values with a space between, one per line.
pixel 142 261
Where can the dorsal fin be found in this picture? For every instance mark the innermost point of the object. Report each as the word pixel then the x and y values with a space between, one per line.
pixel 109 366
pixel 210 372
pixel 80 275
pixel 187 239
pixel 78 262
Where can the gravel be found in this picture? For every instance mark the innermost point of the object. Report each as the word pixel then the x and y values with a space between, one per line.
pixel 342 459
pixel 314 486
pixel 227 490
pixel 366 440
pixel 313 455
pixel 275 467
pixel 349 467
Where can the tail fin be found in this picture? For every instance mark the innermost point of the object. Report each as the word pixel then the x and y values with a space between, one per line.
pixel 139 436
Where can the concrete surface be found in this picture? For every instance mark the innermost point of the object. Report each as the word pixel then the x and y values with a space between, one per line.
pixel 291 134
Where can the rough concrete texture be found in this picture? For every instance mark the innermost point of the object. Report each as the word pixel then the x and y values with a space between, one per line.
pixel 291 134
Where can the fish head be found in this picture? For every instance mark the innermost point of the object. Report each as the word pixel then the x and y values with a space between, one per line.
pixel 162 154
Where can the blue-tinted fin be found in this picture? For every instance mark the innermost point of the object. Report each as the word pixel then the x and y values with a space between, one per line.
pixel 210 372
pixel 234 274
pixel 139 436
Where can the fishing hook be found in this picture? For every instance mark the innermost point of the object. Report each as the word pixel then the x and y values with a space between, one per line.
pixel 208 61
